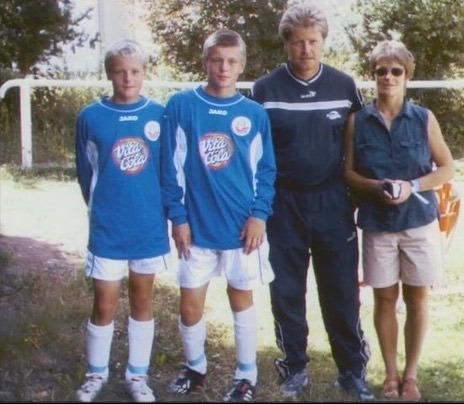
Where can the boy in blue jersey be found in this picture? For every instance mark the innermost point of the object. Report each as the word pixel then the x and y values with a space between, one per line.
pixel 218 175
pixel 117 162
pixel 308 103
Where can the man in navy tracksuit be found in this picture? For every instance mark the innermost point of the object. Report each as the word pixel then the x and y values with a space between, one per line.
pixel 308 103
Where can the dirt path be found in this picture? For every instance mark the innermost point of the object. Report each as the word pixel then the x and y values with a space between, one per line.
pixel 50 211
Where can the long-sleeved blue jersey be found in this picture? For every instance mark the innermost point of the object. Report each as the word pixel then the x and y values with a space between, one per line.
pixel 118 169
pixel 218 165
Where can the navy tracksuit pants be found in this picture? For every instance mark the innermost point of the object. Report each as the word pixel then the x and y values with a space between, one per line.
pixel 316 224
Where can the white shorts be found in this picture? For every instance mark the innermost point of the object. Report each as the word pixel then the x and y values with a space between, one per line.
pixel 114 270
pixel 412 256
pixel 243 272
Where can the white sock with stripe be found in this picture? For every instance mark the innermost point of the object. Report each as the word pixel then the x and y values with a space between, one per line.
pixel 193 342
pixel 141 335
pixel 246 344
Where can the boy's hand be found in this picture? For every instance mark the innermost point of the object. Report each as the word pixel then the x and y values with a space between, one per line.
pixel 182 238
pixel 253 234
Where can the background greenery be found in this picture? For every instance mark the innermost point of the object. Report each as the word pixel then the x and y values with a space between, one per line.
pixel 431 29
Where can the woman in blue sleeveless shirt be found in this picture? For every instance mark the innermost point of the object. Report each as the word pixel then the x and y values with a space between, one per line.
pixel 395 157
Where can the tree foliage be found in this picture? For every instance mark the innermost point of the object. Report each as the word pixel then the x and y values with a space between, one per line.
pixel 181 26
pixel 432 31
pixel 32 31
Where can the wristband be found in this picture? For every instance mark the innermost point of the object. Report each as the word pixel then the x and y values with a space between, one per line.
pixel 414 186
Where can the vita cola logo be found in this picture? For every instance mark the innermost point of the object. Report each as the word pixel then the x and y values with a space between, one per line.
pixel 216 150
pixel 130 154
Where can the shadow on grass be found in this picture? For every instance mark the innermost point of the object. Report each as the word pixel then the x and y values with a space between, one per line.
pixel 41 296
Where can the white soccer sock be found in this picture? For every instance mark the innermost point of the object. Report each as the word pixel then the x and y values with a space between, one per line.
pixel 193 342
pixel 141 334
pixel 98 341
pixel 246 344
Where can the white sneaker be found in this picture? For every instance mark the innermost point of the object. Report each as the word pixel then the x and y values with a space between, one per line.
pixel 138 389
pixel 90 388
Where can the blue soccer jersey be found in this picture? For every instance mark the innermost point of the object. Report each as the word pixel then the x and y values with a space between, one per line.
pixel 219 168
pixel 118 169
pixel 307 119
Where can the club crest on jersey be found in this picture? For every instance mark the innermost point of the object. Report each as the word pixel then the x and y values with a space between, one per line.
pixel 130 154
pixel 216 150
pixel 152 130
pixel 332 115
pixel 241 126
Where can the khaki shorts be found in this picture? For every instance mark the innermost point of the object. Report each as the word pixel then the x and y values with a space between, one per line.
pixel 114 270
pixel 413 256
pixel 242 272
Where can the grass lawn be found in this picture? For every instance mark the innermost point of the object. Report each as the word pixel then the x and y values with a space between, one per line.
pixel 45 302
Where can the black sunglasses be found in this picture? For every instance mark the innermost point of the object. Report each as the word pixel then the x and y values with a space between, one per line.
pixel 383 71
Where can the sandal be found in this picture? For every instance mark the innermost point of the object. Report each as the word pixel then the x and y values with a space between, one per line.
pixel 390 388
pixel 410 391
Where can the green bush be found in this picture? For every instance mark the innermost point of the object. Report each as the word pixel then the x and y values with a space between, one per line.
pixel 10 144
pixel 54 113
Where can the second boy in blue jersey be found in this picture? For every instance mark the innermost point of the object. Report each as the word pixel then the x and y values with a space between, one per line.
pixel 218 176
